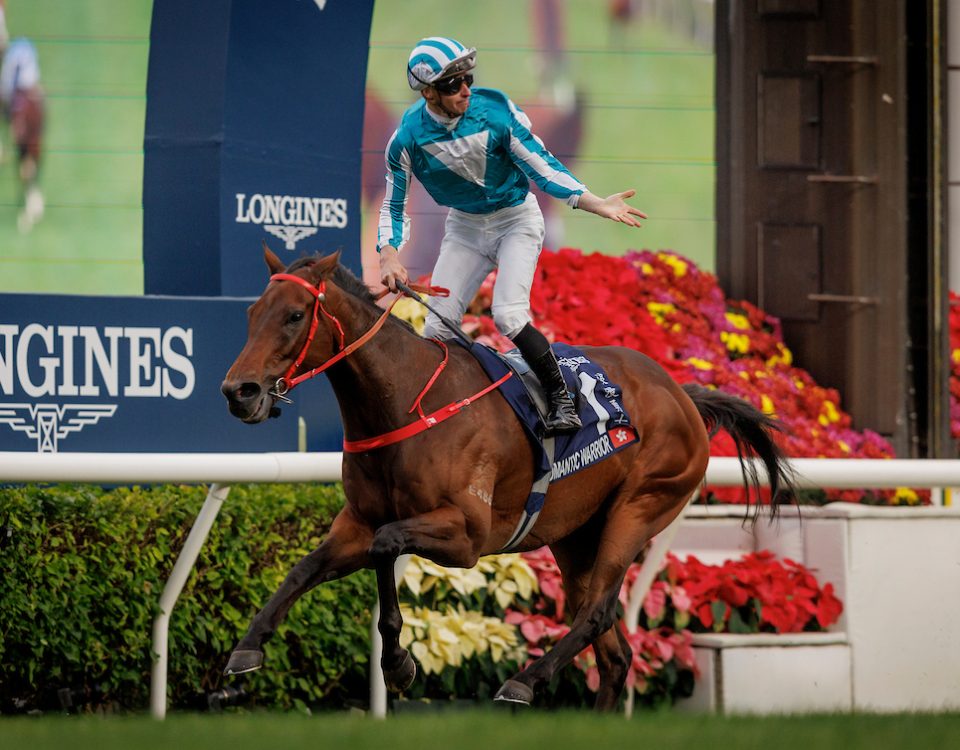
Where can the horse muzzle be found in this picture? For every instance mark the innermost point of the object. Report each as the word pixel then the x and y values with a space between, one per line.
pixel 248 401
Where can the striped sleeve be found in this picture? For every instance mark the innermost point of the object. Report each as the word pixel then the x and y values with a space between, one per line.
pixel 537 163
pixel 394 225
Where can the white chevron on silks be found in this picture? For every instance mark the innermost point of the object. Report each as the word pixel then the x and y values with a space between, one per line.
pixel 466 157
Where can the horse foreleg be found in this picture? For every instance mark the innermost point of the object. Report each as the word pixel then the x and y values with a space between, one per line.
pixel 441 536
pixel 399 669
pixel 344 551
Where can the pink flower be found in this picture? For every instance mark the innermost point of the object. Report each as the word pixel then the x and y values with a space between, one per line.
pixel 656 601
pixel 680 599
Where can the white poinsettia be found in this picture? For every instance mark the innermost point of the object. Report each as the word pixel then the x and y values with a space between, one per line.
pixel 439 640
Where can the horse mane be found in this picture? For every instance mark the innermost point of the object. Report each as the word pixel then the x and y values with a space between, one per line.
pixel 344 278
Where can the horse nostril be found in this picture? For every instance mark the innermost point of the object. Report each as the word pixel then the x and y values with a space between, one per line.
pixel 240 393
pixel 248 391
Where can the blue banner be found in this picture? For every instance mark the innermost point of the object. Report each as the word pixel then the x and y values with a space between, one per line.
pixel 253 132
pixel 137 374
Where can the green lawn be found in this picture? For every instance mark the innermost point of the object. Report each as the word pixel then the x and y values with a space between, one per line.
pixel 482 731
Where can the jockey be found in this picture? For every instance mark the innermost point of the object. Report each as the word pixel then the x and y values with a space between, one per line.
pixel 20 71
pixel 474 150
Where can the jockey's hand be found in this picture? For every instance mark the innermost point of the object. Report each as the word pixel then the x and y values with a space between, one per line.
pixel 614 207
pixel 391 269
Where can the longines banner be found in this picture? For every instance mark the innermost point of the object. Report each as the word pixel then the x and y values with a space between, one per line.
pixel 253 132
pixel 136 374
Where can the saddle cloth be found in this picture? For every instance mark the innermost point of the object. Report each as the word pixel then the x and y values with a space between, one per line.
pixel 606 425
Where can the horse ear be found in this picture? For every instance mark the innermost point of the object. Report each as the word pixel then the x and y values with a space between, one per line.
pixel 326 266
pixel 273 262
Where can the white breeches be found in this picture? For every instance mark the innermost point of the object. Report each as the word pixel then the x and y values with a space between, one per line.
pixel 473 245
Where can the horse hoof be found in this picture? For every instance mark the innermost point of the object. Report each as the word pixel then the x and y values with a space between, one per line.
pixel 244 660
pixel 513 691
pixel 402 677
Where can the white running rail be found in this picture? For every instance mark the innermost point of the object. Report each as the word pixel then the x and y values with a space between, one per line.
pixel 220 470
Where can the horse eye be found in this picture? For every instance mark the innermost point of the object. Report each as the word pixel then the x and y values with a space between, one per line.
pixel 296 317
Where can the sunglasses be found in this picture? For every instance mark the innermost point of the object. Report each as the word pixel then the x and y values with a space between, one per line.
pixel 452 85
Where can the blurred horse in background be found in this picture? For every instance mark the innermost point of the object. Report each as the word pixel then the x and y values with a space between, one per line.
pixel 22 99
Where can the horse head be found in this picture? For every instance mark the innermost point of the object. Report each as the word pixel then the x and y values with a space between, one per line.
pixel 284 333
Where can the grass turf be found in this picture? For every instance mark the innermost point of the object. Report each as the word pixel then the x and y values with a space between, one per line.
pixel 482 730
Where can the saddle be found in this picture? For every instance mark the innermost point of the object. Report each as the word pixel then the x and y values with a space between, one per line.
pixel 521 369
pixel 606 425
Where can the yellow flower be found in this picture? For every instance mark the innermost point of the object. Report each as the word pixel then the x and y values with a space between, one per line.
pixel 660 310
pixel 438 640
pixel 831 414
pixel 737 320
pixel 646 268
pixel 766 405
pixel 411 311
pixel 422 575
pixel 843 446
pixel 736 342
pixel 679 267
pixel 509 576
pixel 700 364
pixel 905 496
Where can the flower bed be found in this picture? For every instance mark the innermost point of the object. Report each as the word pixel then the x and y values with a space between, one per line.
pixel 471 629
pixel 955 365
pixel 663 305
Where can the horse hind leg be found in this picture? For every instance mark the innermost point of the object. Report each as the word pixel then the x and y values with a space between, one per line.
pixel 613 662
pixel 593 620
pixel 624 535
pixel 612 651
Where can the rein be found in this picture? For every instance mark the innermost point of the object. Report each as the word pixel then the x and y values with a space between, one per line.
pixel 289 380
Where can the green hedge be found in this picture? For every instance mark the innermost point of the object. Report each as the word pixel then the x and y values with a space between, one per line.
pixel 82 568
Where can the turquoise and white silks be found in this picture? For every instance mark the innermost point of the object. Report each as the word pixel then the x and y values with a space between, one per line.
pixel 480 165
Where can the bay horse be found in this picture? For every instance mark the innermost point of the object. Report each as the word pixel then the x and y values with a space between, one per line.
pixel 27 115
pixel 455 492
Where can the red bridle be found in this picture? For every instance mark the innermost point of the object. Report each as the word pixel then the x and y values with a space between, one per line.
pixel 426 421
pixel 288 381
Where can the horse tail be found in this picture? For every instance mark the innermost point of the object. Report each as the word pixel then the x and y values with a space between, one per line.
pixel 753 435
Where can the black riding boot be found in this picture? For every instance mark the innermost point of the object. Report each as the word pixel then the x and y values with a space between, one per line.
pixel 535 349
